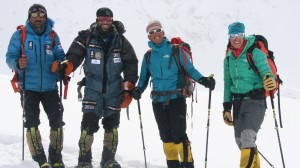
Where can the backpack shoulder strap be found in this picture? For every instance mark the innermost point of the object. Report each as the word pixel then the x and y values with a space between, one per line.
pixel 22 29
pixel 53 34
pixel 250 57
pixel 175 54
pixel 148 55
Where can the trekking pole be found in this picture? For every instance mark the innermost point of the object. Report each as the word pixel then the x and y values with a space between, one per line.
pixel 265 158
pixel 23 115
pixel 141 126
pixel 207 126
pixel 276 125
pixel 278 96
pixel 59 130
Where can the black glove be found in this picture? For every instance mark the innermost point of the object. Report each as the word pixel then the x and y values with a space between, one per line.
pixel 135 93
pixel 208 82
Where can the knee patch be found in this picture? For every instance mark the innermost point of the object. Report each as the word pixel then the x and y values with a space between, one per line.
pixel 90 123
pixel 171 151
pixel 111 122
pixel 248 138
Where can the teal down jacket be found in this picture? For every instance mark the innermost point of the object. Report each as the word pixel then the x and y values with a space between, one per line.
pixel 239 78
pixel 163 76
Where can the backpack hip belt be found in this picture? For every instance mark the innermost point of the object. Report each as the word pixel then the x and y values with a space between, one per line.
pixel 167 94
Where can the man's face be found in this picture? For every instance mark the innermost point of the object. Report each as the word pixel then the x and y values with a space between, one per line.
pixel 105 23
pixel 156 36
pixel 38 19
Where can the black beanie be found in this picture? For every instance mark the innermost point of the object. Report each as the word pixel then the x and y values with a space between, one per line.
pixel 104 12
pixel 37 8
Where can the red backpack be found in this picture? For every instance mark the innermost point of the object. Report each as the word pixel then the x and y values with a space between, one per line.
pixel 262 44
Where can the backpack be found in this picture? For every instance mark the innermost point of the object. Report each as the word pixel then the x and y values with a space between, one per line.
pixel 262 44
pixel 188 86
pixel 15 81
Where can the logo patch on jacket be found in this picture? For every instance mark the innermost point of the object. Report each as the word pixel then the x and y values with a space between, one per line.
pixel 95 57
pixel 116 57
pixel 48 49
pixel 30 45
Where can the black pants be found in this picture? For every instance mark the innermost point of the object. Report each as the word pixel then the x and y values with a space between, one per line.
pixel 51 104
pixel 171 120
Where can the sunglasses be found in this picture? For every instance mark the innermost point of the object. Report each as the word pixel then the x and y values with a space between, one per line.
pixel 105 18
pixel 155 31
pixel 239 35
pixel 34 15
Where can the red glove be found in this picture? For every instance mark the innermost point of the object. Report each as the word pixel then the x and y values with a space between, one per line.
pixel 65 67
pixel 126 87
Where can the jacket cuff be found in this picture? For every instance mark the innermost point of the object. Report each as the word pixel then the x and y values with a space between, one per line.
pixel 227 106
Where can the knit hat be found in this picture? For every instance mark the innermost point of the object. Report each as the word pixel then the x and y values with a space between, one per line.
pixel 104 12
pixel 236 27
pixel 37 8
pixel 152 25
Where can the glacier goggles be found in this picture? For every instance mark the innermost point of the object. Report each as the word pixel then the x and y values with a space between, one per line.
pixel 155 31
pixel 36 14
pixel 239 35
pixel 105 18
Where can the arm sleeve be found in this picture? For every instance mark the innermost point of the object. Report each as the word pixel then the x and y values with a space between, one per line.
pixel 227 81
pixel 130 61
pixel 261 62
pixel 14 51
pixel 144 75
pixel 77 51
pixel 58 51
pixel 190 68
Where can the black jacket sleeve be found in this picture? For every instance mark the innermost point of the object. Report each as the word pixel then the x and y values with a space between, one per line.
pixel 130 61
pixel 77 50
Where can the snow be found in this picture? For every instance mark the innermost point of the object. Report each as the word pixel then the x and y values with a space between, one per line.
pixel 204 25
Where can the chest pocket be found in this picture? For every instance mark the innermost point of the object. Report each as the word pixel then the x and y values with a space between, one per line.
pixel 94 59
pixel 116 64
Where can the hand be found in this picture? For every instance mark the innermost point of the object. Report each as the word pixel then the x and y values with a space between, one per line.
pixel 65 67
pixel 269 83
pixel 208 82
pixel 22 62
pixel 126 87
pixel 227 118
pixel 135 93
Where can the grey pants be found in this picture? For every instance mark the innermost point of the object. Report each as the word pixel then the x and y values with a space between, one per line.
pixel 249 116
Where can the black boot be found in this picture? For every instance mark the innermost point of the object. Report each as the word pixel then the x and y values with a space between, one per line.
pixel 173 163
pixel 110 144
pixel 34 141
pixel 55 148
